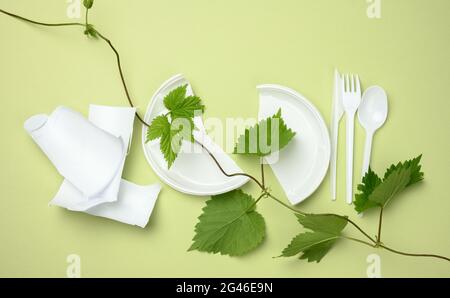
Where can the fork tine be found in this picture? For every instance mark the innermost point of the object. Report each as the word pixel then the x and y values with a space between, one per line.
pixel 342 84
pixel 352 83
pixel 347 86
pixel 358 85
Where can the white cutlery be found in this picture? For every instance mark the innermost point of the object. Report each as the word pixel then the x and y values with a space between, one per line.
pixel 338 111
pixel 351 98
pixel 372 114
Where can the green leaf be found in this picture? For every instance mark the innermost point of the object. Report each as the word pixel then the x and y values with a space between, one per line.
pixel 391 186
pixel 88 3
pixel 90 31
pixel 413 164
pixel 313 246
pixel 266 137
pixel 187 108
pixel 174 98
pixel 160 126
pixel 171 137
pixel 374 192
pixel 229 225
pixel 330 224
pixel 369 182
pixel 180 126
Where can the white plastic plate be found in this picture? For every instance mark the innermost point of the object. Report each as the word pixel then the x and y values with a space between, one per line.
pixel 302 165
pixel 194 171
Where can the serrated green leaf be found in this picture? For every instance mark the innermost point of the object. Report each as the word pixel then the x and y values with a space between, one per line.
pixel 187 107
pixel 88 3
pixel 413 164
pixel 268 136
pixel 171 134
pixel 369 182
pixel 159 127
pixel 330 224
pixel 180 126
pixel 391 186
pixel 375 192
pixel 175 97
pixel 229 225
pixel 313 246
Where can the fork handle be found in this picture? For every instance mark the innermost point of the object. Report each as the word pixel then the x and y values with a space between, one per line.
pixel 349 155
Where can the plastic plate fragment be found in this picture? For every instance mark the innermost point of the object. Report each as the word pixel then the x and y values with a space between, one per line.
pixel 302 165
pixel 194 171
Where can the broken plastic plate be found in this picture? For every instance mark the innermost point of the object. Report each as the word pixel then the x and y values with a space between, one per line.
pixel 194 171
pixel 301 166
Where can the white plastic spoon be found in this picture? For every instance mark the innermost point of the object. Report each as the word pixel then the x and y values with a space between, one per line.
pixel 372 114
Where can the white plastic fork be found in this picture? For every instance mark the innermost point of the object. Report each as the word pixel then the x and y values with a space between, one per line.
pixel 351 98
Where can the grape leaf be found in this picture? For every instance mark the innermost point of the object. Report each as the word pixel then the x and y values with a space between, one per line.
pixel 170 139
pixel 330 224
pixel 369 182
pixel 266 137
pixel 375 192
pixel 326 230
pixel 180 126
pixel 229 225
pixel 413 164
pixel 160 126
pixel 391 186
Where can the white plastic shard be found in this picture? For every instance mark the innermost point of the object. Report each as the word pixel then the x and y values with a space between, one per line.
pixel 117 121
pixel 120 200
pixel 85 155
pixel 301 166
pixel 194 171
pixel 134 203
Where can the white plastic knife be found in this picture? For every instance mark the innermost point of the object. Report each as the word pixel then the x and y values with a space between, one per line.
pixel 337 112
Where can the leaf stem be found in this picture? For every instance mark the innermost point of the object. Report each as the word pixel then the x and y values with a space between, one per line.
pixel 86 18
pixel 233 174
pixel 380 221
pixel 414 255
pixel 359 240
pixel 40 23
pixel 262 173
pixel 352 223
pixel 286 205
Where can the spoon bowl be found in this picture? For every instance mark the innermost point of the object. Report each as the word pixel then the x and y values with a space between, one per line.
pixel 372 114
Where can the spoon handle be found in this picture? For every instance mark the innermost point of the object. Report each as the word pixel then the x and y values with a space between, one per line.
pixel 349 158
pixel 367 152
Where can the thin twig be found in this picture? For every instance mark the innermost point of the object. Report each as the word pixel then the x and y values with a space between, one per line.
pixel 224 172
pixel 380 221
pixel 262 173
pixel 285 205
pixel 41 23
pixel 122 78
pixel 414 255
pixel 360 241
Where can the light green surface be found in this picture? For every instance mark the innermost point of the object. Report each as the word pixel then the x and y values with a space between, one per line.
pixel 225 48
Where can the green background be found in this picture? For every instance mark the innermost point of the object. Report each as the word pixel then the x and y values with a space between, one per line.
pixel 225 48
